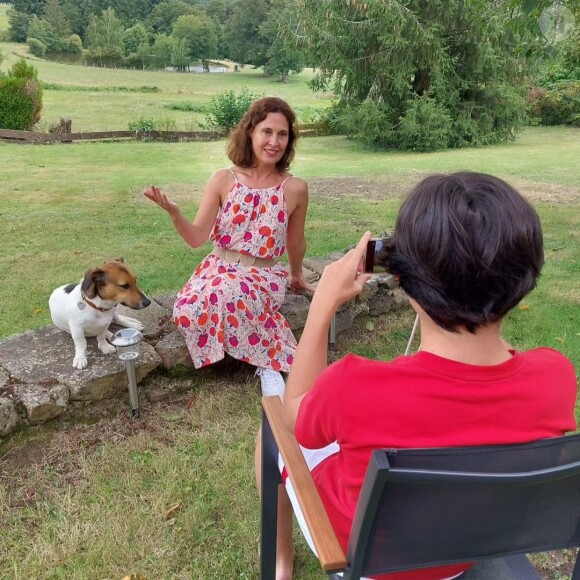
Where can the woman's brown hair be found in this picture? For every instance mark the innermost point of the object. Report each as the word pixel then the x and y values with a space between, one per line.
pixel 240 149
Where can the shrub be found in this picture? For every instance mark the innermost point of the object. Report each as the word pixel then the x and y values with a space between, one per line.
pixel 142 124
pixel 226 109
pixel 37 47
pixel 20 97
pixel 187 106
pixel 556 105
pixel 21 70
pixel 20 102
pixel 73 44
pixel 425 126
pixel 370 123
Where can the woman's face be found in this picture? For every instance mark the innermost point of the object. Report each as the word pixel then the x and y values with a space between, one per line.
pixel 270 139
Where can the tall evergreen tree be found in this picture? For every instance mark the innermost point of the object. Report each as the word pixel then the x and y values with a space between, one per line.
pixel 415 74
pixel 32 7
pixel 55 16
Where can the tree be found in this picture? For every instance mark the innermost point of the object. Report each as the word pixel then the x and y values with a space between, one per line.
pixel 162 51
pixel 18 23
pixel 242 32
pixel 164 15
pixel 79 12
pixel 29 6
pixel 279 31
pixel 105 38
pixel 134 37
pixel 198 30
pixel 451 62
pixel 132 11
pixel 180 55
pixel 219 11
pixel 56 18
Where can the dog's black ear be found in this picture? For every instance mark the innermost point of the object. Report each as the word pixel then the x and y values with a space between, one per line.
pixel 90 282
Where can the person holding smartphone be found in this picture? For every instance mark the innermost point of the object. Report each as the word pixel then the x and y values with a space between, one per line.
pixel 466 248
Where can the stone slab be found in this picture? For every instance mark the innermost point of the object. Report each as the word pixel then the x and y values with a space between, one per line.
pixel 41 403
pixel 9 418
pixel 173 351
pixel 45 355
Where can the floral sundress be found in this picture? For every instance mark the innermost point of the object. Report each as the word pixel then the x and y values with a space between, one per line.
pixel 233 308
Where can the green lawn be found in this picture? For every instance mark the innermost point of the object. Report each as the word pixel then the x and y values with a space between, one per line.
pixel 107 108
pixel 65 208
pixel 3 17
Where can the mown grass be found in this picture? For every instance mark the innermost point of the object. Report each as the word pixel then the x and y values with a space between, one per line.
pixel 65 208
pixel 103 99
pixel 3 16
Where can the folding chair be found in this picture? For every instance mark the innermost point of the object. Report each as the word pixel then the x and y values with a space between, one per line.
pixel 429 507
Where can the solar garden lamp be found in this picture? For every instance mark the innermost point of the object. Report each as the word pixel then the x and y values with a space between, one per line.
pixel 127 342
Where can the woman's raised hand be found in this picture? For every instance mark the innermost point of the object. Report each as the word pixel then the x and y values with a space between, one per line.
pixel 344 279
pixel 155 195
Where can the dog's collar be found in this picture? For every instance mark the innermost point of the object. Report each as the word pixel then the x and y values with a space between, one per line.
pixel 92 305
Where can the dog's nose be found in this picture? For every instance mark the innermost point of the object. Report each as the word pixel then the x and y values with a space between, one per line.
pixel 146 301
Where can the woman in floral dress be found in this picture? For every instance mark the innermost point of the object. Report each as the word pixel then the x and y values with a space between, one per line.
pixel 253 213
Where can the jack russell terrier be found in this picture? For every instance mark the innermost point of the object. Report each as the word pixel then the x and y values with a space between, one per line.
pixel 89 307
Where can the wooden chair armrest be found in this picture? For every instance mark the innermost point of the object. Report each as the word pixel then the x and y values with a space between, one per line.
pixel 330 553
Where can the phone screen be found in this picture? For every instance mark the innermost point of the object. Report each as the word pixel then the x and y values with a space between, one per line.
pixel 372 264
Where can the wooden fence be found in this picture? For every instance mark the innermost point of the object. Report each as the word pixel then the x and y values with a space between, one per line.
pixel 8 135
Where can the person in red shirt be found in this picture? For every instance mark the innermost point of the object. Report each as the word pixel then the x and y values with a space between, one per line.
pixel 466 248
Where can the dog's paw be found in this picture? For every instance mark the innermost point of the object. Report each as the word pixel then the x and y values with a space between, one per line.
pixel 80 362
pixel 129 322
pixel 107 348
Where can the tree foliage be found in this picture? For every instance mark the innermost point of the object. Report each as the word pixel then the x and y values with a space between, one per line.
pixel 20 97
pixel 226 109
pixel 246 44
pixel 279 31
pixel 198 31
pixel 105 38
pixel 451 62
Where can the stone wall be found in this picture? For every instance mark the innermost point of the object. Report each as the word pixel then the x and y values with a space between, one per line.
pixel 38 382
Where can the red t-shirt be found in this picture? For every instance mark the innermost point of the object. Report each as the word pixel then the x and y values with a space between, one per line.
pixel 427 401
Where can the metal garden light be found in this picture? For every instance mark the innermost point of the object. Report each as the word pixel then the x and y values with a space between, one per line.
pixel 127 342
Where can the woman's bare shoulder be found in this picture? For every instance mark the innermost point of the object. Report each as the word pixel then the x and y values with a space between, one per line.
pixel 221 179
pixel 295 185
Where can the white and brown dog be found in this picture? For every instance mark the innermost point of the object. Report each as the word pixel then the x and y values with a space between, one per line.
pixel 88 308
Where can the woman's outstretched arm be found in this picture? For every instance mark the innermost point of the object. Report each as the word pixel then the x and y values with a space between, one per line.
pixel 197 232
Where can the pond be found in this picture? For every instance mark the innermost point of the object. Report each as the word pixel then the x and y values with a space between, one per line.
pixel 197 68
pixel 79 59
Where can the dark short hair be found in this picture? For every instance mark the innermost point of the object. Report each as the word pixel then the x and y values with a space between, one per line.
pixel 467 247
pixel 240 140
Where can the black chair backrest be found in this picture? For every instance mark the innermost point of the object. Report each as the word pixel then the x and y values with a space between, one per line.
pixel 429 507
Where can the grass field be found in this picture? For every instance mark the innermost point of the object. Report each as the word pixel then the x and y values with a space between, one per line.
pixel 113 498
pixel 66 208
pixel 3 17
pixel 109 108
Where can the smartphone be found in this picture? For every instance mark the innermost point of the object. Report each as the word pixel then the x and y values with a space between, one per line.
pixel 372 264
